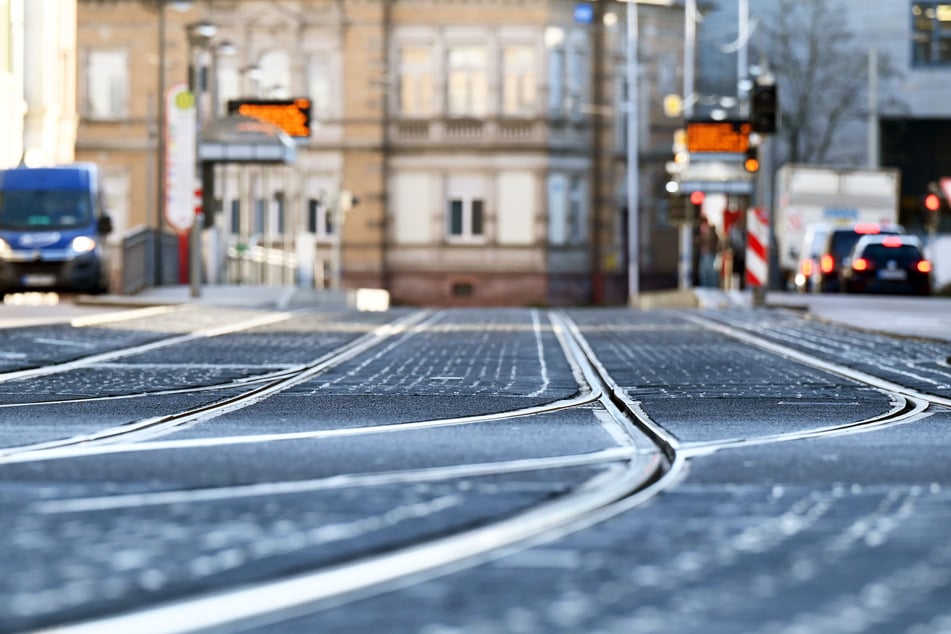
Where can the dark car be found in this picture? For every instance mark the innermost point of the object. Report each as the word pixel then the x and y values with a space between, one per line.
pixel 835 252
pixel 887 264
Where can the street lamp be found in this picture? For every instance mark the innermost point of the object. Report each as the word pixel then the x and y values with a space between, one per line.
pixel 633 179
pixel 200 35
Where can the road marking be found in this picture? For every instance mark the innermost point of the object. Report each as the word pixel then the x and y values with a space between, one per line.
pixel 546 381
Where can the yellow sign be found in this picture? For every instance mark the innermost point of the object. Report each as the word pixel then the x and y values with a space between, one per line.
pixel 718 136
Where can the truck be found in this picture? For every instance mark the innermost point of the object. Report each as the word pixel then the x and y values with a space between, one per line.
pixel 52 229
pixel 808 195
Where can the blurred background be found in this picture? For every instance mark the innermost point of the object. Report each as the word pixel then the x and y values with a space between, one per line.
pixel 475 152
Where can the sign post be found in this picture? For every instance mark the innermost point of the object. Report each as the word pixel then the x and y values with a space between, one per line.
pixel 180 175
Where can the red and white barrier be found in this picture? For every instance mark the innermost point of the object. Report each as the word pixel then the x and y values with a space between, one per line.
pixel 757 241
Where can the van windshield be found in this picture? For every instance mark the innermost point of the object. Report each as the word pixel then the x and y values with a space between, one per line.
pixel 38 209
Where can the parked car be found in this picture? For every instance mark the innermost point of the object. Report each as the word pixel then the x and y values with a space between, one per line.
pixel 834 255
pixel 807 267
pixel 887 264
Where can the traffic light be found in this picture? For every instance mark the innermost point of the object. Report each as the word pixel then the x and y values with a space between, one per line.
pixel 932 202
pixel 696 205
pixel 934 206
pixel 676 209
pixel 751 162
pixel 764 106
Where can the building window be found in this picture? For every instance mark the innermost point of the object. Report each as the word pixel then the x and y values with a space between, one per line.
pixel 577 211
pixel 556 81
pixel 235 217
pixel 280 213
pixel 466 218
pixel 260 216
pixel 557 210
pixel 320 219
pixel 275 80
pixel 468 90
pixel 416 81
pixel 107 85
pixel 931 33
pixel 518 80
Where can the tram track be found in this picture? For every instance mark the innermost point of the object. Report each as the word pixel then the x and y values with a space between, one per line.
pixel 137 431
pixel 644 473
pixel 640 473
pixel 128 351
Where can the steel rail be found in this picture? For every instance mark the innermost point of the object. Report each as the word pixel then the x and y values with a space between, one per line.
pixel 128 438
pixel 746 334
pixel 85 444
pixel 645 474
pixel 112 355
pixel 269 602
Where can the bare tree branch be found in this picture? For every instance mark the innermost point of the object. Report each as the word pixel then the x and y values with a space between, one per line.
pixel 821 70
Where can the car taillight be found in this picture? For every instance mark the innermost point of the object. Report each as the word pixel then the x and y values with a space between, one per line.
pixel 807 267
pixel 867 227
pixel 827 264
pixel 892 241
pixel 861 264
pixel 923 266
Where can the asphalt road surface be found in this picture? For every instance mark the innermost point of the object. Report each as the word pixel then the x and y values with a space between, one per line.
pixel 196 468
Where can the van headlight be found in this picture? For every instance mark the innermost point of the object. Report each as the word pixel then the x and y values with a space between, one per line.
pixel 5 250
pixel 82 244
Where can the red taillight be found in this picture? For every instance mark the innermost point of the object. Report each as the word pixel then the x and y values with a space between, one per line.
pixel 923 266
pixel 807 267
pixel 892 241
pixel 867 227
pixel 861 264
pixel 827 263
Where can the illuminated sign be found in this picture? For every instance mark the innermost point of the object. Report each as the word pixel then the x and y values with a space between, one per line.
pixel 290 115
pixel 718 136
pixel 584 14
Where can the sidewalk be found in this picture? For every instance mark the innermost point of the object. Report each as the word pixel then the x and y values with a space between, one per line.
pixel 245 296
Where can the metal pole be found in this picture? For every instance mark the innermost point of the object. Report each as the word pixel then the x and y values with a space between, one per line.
pixel 690 42
pixel 873 142
pixel 159 278
pixel 633 195
pixel 199 37
pixel 742 63
pixel 194 276
pixel 685 268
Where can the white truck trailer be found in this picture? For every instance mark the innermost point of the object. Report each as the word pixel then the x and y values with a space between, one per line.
pixel 807 194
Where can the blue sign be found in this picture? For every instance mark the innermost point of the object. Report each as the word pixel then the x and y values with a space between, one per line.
pixel 584 13
pixel 840 213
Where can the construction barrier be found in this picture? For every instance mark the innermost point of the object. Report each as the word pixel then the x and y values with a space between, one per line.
pixel 757 241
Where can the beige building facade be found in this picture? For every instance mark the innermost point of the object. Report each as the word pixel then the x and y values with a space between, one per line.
pixel 483 140
pixel 37 82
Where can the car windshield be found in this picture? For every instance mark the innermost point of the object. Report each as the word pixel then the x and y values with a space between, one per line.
pixel 44 209
pixel 904 255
